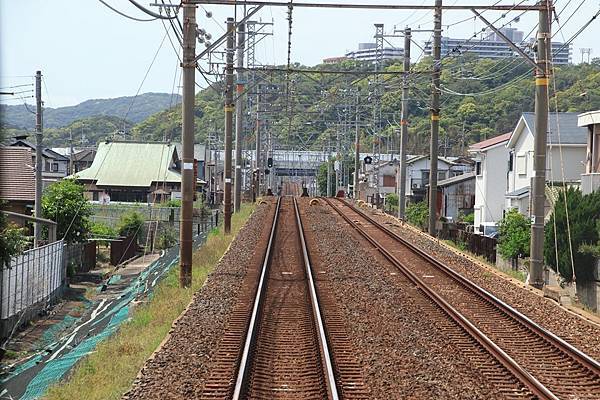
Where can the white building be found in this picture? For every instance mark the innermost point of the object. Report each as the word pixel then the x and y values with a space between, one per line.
pixel 491 170
pixel 368 52
pixel 590 180
pixel 565 159
pixel 490 45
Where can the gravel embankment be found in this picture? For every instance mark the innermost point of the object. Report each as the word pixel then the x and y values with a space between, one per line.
pixel 393 330
pixel 178 369
pixel 572 328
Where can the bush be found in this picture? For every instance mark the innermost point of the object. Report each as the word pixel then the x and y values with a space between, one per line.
pixel 391 202
pixel 584 214
pixel 63 203
pixel 12 241
pixel 418 214
pixel 515 235
pixel 131 224
pixel 467 219
pixel 100 230
pixel 166 239
pixel 172 203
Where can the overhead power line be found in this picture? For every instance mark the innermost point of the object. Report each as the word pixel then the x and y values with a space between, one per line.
pixel 125 15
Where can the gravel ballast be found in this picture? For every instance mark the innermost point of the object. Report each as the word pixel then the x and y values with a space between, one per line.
pixel 403 352
pixel 546 312
pixel 178 369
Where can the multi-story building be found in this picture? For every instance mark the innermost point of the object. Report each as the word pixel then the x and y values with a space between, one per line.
pixel 368 52
pixel 491 45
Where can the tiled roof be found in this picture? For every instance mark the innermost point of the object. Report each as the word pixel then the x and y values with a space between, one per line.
pixel 131 164
pixel 570 133
pixel 17 178
pixel 491 142
pixel 457 179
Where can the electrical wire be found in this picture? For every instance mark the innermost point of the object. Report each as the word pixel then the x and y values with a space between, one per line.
pixel 125 15
pixel 152 13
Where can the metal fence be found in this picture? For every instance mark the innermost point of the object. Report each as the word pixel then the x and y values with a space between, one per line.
pixel 34 278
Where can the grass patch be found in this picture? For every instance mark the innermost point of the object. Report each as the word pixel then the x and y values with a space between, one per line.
pixel 111 369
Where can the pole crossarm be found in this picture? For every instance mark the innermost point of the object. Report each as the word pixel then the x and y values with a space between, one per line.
pixel 500 7
pixel 506 39
pixel 222 38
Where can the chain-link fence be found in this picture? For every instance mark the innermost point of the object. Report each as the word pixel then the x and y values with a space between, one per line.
pixel 32 280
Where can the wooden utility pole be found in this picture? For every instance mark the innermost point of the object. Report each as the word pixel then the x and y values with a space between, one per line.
pixel 188 186
pixel 404 125
pixel 239 118
pixel 37 228
pixel 229 106
pixel 538 181
pixel 435 116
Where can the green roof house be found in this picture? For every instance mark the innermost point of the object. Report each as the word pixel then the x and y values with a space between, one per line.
pixel 132 172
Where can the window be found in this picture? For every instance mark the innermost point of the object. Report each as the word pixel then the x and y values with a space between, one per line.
pixel 94 196
pixel 522 164
pixel 55 167
pixel 510 161
pixel 441 175
pixel 478 167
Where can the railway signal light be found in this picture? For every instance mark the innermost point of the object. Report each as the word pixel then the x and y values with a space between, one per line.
pixel 368 160
pixel 270 162
pixel 267 171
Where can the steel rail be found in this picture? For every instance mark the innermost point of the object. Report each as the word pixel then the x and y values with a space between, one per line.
pixel 516 315
pixel 536 387
pixel 251 335
pixel 252 326
pixel 331 385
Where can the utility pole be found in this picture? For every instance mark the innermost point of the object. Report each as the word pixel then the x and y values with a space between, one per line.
pixel 404 125
pixel 37 228
pixel 538 199
pixel 71 169
pixel 229 106
pixel 356 150
pixel 435 116
pixel 239 118
pixel 188 186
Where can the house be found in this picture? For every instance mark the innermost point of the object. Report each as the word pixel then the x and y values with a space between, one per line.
pixel 199 155
pixel 565 159
pixel 17 179
pixel 55 166
pixel 491 169
pixel 590 179
pixel 457 195
pixel 417 177
pixel 82 157
pixel 133 172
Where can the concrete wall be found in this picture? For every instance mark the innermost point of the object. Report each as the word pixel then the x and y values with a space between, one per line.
pixel 589 292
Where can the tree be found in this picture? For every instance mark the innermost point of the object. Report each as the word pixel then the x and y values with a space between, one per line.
pixel 582 230
pixel 515 234
pixel 63 202
pixel 131 224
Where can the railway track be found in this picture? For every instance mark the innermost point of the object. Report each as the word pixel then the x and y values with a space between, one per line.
pixel 520 357
pixel 277 344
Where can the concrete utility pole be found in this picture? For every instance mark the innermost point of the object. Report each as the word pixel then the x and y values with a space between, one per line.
pixel 258 156
pixel 404 125
pixel 435 116
pixel 37 228
pixel 356 151
pixel 229 106
pixel 188 186
pixel 71 169
pixel 538 182
pixel 239 118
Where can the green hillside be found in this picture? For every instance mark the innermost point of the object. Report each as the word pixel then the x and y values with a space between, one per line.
pixel 144 105
pixel 85 131
pixel 482 98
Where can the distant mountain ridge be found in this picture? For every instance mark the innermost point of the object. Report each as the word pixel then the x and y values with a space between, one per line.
pixel 17 116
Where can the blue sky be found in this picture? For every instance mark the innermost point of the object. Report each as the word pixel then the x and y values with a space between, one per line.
pixel 87 51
